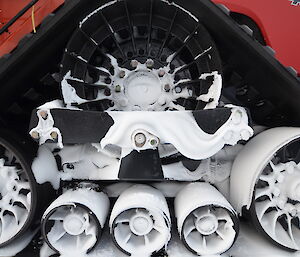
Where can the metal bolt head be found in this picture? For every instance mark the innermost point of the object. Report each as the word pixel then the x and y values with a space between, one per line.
pixel 35 135
pixel 149 63
pixel 54 135
pixel 122 74
pixel 43 114
pixel 161 73
pixel 167 87
pixel 140 139
pixel 107 80
pixel 178 89
pixel 118 88
pixel 153 142
pixel 134 63
pixel 107 92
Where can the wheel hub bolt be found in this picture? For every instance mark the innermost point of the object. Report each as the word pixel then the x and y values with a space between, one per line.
pixel 149 63
pixel 118 88
pixel 107 80
pixel 54 135
pixel 167 87
pixel 122 74
pixel 140 139
pixel 107 92
pixel 44 114
pixel 35 135
pixel 134 63
pixel 161 73
pixel 178 89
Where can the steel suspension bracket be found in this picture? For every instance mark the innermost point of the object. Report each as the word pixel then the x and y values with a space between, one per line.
pixel 138 135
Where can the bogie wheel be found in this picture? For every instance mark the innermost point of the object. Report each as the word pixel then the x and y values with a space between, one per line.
pixel 276 203
pixel 272 163
pixel 140 55
pixel 18 190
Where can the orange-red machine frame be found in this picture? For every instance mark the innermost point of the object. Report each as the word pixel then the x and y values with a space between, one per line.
pixel 26 23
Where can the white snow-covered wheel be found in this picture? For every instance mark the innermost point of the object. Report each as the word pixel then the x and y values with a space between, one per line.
pixel 272 160
pixel 140 221
pixel 74 226
pixel 17 191
pixel 207 224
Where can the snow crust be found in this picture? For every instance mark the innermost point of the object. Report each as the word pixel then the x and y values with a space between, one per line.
pixel 193 193
pixel 248 239
pixel 97 202
pixel 145 197
pixel 204 145
pixel 44 167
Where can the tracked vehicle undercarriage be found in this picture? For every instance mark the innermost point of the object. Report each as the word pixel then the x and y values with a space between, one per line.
pixel 157 121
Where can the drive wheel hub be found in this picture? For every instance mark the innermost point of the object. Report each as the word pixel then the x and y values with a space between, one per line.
pixel 142 88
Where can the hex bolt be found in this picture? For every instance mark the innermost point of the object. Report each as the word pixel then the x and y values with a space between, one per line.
pixel 107 80
pixel 35 135
pixel 178 89
pixel 134 63
pixel 140 139
pixel 118 88
pixel 153 142
pixel 44 114
pixel 122 74
pixel 149 63
pixel 54 135
pixel 167 87
pixel 161 73
pixel 107 92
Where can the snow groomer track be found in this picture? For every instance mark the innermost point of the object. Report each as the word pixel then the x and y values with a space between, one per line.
pixel 168 121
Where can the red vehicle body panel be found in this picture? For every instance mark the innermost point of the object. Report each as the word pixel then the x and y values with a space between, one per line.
pixel 279 22
pixel 24 25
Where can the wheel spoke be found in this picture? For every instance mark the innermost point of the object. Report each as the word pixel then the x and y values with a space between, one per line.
pixel 259 192
pixel 79 58
pixel 188 65
pixel 149 28
pixel 167 34
pixel 185 42
pixel 112 33
pixel 262 207
pixel 130 25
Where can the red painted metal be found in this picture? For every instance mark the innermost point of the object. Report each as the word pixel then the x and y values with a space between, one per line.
pixel 279 22
pixel 23 26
